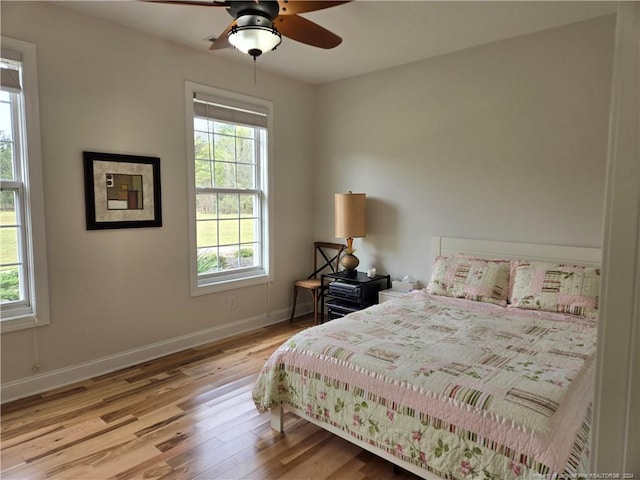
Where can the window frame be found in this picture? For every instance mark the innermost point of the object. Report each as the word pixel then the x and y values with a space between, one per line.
pixel 31 197
pixel 236 278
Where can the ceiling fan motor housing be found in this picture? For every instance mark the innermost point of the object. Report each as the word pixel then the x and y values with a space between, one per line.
pixel 266 8
pixel 253 20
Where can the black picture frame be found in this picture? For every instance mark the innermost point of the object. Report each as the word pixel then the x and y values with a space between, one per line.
pixel 121 191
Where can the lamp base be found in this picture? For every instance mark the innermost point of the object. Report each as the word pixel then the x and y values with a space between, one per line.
pixel 350 263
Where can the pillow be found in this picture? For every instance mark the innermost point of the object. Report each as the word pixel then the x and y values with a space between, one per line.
pixel 556 288
pixel 471 278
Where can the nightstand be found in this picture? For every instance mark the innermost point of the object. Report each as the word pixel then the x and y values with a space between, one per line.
pixel 386 295
pixel 345 294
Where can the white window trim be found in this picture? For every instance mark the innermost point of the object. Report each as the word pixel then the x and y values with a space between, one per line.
pixel 33 195
pixel 228 283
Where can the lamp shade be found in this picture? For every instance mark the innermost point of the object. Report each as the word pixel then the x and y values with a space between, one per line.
pixel 254 34
pixel 350 215
pixel 254 39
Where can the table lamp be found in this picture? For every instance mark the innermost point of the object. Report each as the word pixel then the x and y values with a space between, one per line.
pixel 350 223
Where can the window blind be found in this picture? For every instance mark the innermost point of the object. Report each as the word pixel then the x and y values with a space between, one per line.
pixel 9 77
pixel 208 106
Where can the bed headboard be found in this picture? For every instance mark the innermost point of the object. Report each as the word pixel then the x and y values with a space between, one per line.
pixel 492 249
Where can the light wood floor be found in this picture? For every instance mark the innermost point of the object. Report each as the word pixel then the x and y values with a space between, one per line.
pixel 185 416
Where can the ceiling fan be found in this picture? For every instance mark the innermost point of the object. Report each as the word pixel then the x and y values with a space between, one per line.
pixel 258 25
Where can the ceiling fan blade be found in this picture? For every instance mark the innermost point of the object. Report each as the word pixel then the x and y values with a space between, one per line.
pixel 201 3
pixel 293 7
pixel 305 31
pixel 223 39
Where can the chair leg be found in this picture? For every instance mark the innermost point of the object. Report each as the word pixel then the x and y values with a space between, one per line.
pixel 295 297
pixel 320 303
pixel 315 306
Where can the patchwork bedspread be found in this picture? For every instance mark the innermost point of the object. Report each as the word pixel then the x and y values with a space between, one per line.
pixel 463 389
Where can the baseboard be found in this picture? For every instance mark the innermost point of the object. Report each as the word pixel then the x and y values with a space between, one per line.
pixel 64 376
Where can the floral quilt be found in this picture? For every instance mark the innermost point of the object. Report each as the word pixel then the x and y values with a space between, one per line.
pixel 460 388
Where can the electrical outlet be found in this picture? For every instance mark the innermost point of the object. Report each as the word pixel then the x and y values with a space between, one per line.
pixel 231 302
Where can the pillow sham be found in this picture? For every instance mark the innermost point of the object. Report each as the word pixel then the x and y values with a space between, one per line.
pixel 556 288
pixel 476 279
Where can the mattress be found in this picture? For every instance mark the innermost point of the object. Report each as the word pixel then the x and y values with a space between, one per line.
pixel 459 388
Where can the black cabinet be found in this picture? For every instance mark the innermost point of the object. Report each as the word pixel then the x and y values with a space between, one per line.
pixel 345 294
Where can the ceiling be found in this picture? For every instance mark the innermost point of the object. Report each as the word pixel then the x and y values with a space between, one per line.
pixel 376 34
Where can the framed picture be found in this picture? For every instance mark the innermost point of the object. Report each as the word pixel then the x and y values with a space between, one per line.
pixel 121 191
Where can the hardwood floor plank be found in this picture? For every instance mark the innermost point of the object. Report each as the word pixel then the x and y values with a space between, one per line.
pixel 41 399
pixel 185 416
pixel 220 392
pixel 201 458
pixel 29 435
pixel 251 460
pixel 118 462
pixel 277 468
pixel 323 462
pixel 107 451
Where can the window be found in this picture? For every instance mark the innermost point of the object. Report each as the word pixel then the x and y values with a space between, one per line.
pixel 23 266
pixel 229 201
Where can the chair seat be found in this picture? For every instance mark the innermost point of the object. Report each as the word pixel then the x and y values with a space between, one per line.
pixel 311 283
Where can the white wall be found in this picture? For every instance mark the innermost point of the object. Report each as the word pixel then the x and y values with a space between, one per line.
pixel 502 141
pixel 107 88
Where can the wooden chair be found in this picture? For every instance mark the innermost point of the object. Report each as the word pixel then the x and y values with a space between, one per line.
pixel 326 257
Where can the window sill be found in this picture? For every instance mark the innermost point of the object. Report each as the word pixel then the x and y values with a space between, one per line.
pixel 21 323
pixel 229 284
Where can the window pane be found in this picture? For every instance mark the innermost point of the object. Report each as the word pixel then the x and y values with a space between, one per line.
pixel 202 145
pixel 228 205
pixel 8 208
pixel 225 175
pixel 7 171
pixel 9 236
pixel 6 160
pixel 206 206
pixel 207 233
pixel 248 257
pixel 247 230
pixel 201 124
pixel 10 284
pixel 9 232
pixel 224 128
pixel 225 148
pixel 229 258
pixel 204 178
pixel 6 124
pixel 248 205
pixel 257 229
pixel 246 176
pixel 245 151
pixel 207 260
pixel 229 232
pixel 246 132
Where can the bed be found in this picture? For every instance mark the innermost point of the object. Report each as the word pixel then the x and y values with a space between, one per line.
pixel 486 373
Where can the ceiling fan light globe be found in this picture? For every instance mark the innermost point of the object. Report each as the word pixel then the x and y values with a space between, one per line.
pixel 254 40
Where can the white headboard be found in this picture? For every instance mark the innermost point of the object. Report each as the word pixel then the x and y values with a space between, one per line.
pixel 491 249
